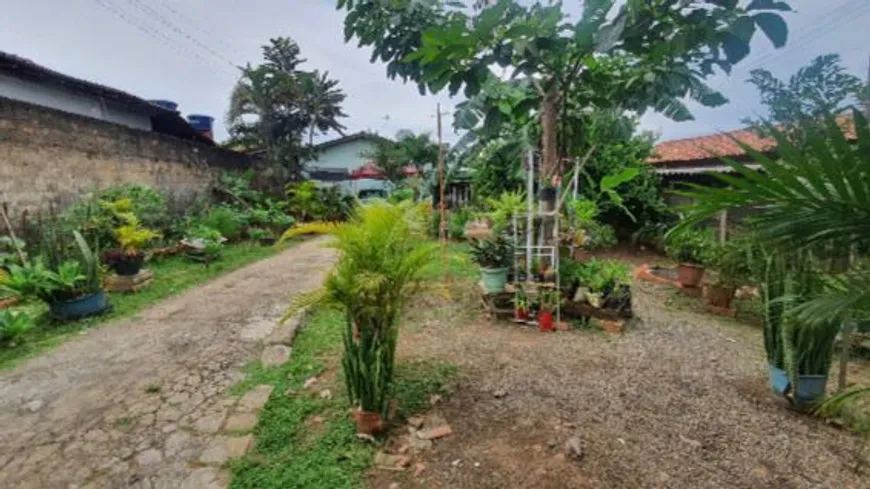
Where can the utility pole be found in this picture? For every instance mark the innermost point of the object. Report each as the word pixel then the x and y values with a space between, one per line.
pixel 867 93
pixel 441 205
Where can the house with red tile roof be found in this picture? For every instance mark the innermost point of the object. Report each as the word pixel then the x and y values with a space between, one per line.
pixel 704 154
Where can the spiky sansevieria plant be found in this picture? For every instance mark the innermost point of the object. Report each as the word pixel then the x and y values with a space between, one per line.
pixel 382 252
pixel 815 196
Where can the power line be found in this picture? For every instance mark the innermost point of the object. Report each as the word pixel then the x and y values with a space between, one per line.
pixel 848 15
pixel 148 10
pixel 844 12
pixel 202 30
pixel 156 34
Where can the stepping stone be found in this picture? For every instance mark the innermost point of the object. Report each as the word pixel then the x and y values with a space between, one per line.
pixel 241 422
pixel 255 399
pixel 275 355
pixel 210 423
pixel 225 448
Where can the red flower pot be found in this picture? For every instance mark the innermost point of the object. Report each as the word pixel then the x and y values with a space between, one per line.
pixel 521 314
pixel 368 423
pixel 545 321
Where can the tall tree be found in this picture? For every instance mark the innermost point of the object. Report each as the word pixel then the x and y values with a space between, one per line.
pixel 322 103
pixel 419 150
pixel 275 103
pixel 647 54
pixel 815 91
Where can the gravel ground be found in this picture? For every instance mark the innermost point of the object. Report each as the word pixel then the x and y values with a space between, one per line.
pixel 679 401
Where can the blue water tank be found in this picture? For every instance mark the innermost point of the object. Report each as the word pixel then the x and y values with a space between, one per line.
pixel 202 123
pixel 166 104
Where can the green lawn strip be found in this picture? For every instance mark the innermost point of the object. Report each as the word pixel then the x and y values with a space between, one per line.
pixel 171 276
pixel 459 264
pixel 291 450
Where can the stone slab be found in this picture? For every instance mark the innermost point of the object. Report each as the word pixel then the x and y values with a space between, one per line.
pixel 255 399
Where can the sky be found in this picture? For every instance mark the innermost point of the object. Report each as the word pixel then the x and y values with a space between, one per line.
pixel 188 50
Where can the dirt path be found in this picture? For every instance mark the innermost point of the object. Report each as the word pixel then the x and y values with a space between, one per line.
pixel 135 403
pixel 679 401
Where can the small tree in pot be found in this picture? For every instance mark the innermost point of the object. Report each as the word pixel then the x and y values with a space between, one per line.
pixel 692 249
pixel 382 252
pixel 493 254
pixel 130 235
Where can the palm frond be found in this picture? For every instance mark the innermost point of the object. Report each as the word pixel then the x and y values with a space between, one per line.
pixel 309 228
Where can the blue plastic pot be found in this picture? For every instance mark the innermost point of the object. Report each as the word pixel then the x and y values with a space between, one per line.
pixel 810 388
pixel 494 279
pixel 779 382
pixel 89 305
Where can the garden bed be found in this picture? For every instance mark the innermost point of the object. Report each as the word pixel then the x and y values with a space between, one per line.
pixel 171 276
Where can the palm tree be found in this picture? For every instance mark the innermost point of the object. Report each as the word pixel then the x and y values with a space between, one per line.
pixel 275 103
pixel 321 104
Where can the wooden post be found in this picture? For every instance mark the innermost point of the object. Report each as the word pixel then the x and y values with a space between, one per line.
pixel 21 255
pixel 441 206
pixel 845 352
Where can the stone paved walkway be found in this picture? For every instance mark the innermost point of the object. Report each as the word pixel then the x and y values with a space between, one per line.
pixel 142 403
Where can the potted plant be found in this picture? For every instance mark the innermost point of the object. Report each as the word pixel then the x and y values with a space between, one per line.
pixel 382 255
pixel 732 262
pixel 809 350
pixel 521 305
pixel 204 244
pixel 549 300
pixel 132 237
pixel 774 279
pixel 691 248
pixel 494 255
pixel 616 289
pixel 72 287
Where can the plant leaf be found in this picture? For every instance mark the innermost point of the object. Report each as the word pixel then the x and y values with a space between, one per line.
pixel 773 26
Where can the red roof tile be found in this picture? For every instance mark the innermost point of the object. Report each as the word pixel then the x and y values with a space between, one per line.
pixel 705 147
pixel 720 145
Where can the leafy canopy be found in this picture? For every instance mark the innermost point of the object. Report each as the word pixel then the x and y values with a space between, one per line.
pixel 276 103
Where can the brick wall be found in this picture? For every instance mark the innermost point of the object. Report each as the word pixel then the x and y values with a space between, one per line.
pixel 52 157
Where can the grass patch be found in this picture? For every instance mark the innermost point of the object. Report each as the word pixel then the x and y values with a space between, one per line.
pixel 171 276
pixel 305 441
pixel 459 264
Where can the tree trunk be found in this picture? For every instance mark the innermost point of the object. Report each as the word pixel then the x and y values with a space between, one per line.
pixel 549 141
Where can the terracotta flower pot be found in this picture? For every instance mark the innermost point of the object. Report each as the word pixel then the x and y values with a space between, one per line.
pixel 720 296
pixel 690 275
pixel 368 423
pixel 545 321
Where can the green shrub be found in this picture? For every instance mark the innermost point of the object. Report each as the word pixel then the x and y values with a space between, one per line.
pixel 598 236
pixel 456 225
pixel 225 221
pixel 97 222
pixel 401 194
pixel 13 325
pixel 691 245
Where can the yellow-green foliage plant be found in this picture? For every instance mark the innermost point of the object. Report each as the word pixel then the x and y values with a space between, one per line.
pixel 382 252
pixel 131 236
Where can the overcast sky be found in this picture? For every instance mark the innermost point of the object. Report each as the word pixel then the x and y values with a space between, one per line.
pixel 185 50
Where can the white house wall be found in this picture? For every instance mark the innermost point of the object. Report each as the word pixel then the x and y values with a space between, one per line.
pixel 348 156
pixel 60 98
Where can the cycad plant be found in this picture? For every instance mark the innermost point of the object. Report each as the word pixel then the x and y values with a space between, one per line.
pixel 382 251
